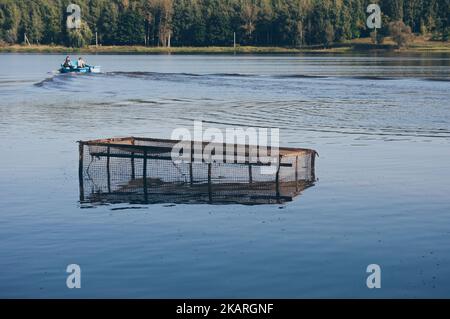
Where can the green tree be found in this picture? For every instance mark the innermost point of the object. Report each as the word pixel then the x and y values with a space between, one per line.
pixel 81 37
pixel 130 28
pixel 188 23
pixel 51 19
pixel 248 15
pixel 212 22
pixel 107 24
pixel 264 22
pixel 11 21
pixel 218 27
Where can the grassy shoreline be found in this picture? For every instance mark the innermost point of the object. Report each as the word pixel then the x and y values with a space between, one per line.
pixel 356 46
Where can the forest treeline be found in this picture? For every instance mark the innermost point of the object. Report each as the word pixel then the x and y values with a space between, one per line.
pixel 213 22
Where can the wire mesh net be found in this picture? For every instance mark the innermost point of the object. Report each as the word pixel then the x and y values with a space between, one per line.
pixel 138 170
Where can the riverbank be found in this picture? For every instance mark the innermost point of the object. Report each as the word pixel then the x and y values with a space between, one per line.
pixel 166 50
pixel 419 45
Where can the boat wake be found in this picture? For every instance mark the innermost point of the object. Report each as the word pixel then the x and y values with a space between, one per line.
pixel 61 79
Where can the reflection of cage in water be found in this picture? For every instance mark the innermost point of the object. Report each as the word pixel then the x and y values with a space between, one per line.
pixel 141 170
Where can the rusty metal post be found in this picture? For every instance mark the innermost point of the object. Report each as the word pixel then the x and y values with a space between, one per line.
pixel 296 173
pixel 108 172
pixel 277 178
pixel 313 164
pixel 209 182
pixel 133 173
pixel 144 177
pixel 80 169
pixel 191 173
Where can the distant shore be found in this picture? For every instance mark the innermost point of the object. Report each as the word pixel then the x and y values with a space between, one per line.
pixel 419 45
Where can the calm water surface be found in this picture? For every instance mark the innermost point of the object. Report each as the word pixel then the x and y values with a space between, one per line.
pixel 381 125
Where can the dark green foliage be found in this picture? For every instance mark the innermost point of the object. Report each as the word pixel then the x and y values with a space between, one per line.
pixel 130 28
pixel 107 24
pixel 80 37
pixel 188 23
pixel 213 22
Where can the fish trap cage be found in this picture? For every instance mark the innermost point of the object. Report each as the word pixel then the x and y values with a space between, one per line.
pixel 142 170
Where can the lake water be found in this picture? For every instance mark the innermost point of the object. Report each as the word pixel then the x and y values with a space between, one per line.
pixel 381 125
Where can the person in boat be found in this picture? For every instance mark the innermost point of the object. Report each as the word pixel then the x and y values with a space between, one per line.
pixel 81 63
pixel 67 63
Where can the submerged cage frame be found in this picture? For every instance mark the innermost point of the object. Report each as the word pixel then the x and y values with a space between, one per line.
pixel 137 169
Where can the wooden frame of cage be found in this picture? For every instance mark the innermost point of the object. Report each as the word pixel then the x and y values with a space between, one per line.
pixel 145 152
